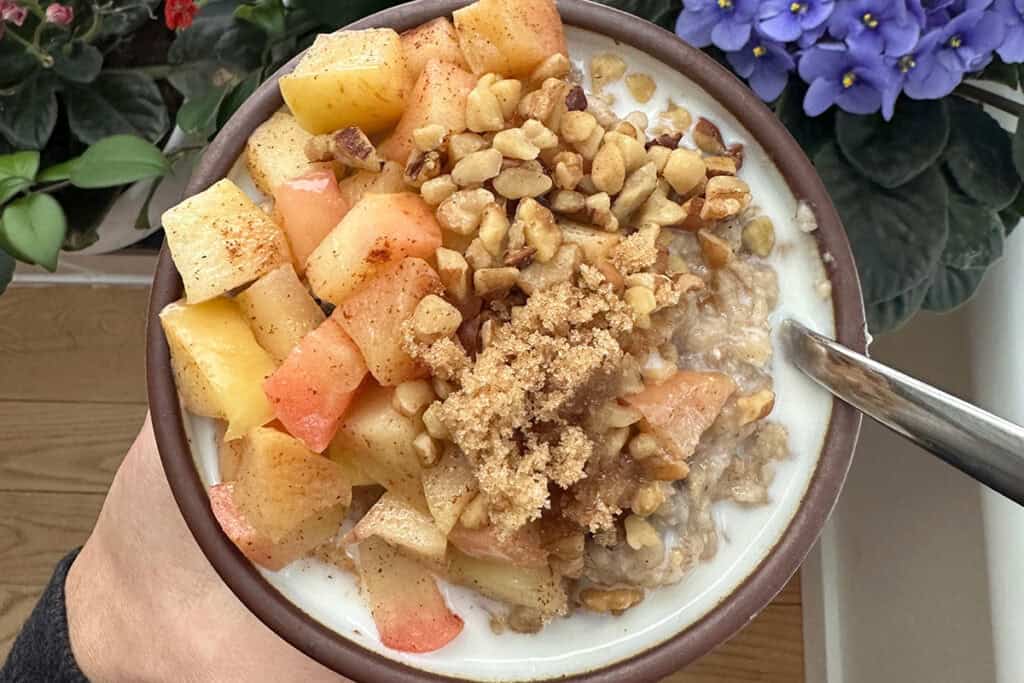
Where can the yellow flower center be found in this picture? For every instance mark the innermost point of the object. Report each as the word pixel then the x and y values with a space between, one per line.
pixel 869 20
pixel 849 78
pixel 798 7
pixel 725 4
pixel 907 63
pixel 759 51
pixel 956 41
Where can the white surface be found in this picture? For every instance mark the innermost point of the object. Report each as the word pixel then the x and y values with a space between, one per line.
pixel 998 334
pixel 587 641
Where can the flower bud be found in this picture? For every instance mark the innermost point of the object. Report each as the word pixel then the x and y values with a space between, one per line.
pixel 59 14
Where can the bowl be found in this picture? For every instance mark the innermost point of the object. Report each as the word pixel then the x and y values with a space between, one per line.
pixel 320 613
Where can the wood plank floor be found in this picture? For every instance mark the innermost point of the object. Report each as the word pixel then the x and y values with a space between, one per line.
pixel 72 396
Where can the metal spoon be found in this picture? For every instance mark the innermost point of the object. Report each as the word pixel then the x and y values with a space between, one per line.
pixel 983 446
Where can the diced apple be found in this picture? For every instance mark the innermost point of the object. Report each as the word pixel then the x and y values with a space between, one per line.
pixel 374 316
pixel 229 457
pixel 310 206
pixel 682 407
pixel 535 587
pixel 378 439
pixel 522 548
pixel 402 524
pixel 389 180
pixel 380 230
pixel 348 78
pixel 448 486
pixel 280 310
pixel 408 609
pixel 218 366
pixel 221 240
pixel 438 97
pixel 282 484
pixel 315 384
pixel 349 464
pixel 509 37
pixel 258 547
pixel 435 39
pixel 276 152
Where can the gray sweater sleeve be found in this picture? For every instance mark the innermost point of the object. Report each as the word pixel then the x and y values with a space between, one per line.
pixel 42 651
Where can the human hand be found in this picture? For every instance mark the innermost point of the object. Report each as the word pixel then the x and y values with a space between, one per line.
pixel 144 604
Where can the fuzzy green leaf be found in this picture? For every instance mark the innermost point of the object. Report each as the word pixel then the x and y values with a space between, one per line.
pixel 951 288
pixel 999 71
pixel 236 96
pixel 886 316
pixel 979 156
pixel 118 160
pixel 267 15
pixel 975 234
pixel 35 226
pixel 78 62
pixel 897 235
pixel 895 152
pixel 61 171
pixel 117 103
pixel 1018 148
pixel 198 116
pixel 17 171
pixel 27 117
pixel 661 12
pixel 1012 215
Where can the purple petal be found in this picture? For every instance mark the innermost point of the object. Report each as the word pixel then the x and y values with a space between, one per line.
pixel 1012 49
pixel 695 27
pixel 900 38
pixel 931 81
pixel 742 61
pixel 730 35
pixel 811 36
pixel 823 62
pixel 987 34
pixel 861 98
pixel 768 83
pixel 821 95
pixel 817 13
pixel 783 27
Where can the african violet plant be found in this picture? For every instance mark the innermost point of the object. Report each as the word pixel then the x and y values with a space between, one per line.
pixel 91 89
pixel 879 93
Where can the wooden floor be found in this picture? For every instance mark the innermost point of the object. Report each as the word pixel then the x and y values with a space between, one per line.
pixel 72 396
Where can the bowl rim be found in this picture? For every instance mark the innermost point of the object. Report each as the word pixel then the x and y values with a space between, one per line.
pixel 736 608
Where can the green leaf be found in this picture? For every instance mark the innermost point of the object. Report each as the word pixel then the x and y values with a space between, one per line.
pixel 61 171
pixel 267 15
pixel 121 17
pixel 35 226
pixel 17 171
pixel 27 118
pixel 7 264
pixel 117 103
pixel 142 218
pixel 812 133
pixel 1012 215
pixel 1018 147
pixel 975 234
pixel 661 12
pixel 18 65
pixel 236 96
pixel 78 62
pixel 951 287
pixel 999 71
pixel 979 156
pixel 897 235
pixel 886 316
pixel 217 40
pixel 198 116
pixel 118 160
pixel 336 14
pixel 894 152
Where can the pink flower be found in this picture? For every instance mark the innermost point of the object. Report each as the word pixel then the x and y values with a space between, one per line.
pixel 12 12
pixel 59 14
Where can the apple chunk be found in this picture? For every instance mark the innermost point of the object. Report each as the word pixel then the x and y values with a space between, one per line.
pixel 401 524
pixel 408 609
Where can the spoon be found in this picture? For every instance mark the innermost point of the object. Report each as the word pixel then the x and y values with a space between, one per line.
pixel 983 446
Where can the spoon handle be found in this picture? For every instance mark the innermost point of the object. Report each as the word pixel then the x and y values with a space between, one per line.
pixel 983 446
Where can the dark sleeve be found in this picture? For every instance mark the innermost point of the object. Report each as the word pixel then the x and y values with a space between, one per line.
pixel 42 651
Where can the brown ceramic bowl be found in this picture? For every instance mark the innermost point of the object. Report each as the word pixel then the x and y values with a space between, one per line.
pixel 736 608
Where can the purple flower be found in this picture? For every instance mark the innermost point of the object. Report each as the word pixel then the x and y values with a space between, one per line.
pixel 12 12
pixel 787 20
pixel 850 76
pixel 765 64
pixel 726 23
pixel 884 26
pixel 919 75
pixel 967 42
pixel 1012 12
